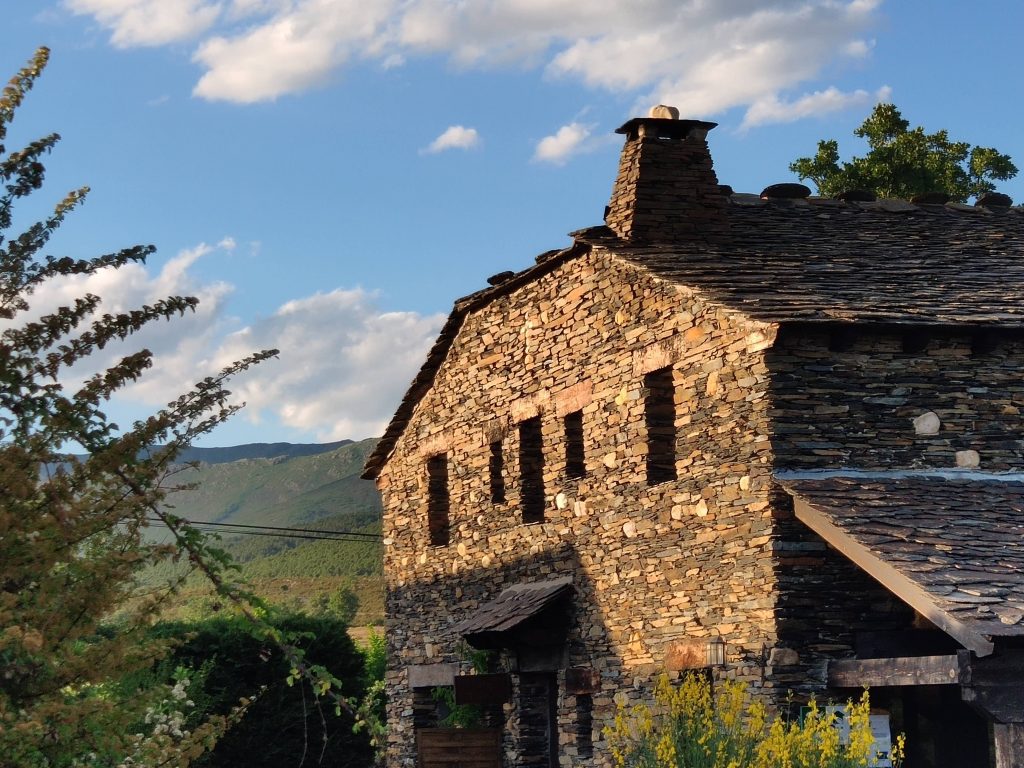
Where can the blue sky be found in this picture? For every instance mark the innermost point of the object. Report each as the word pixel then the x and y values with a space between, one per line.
pixel 328 175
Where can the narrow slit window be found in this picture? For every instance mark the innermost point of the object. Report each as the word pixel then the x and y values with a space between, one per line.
pixel 531 470
pixel 496 466
pixel 575 459
pixel 437 499
pixel 660 417
pixel 585 725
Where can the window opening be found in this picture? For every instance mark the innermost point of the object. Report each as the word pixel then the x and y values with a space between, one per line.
pixel 660 417
pixel 531 470
pixel 585 725
pixel 437 499
pixel 575 460
pixel 497 468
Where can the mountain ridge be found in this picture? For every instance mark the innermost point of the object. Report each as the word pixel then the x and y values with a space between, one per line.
pixel 228 454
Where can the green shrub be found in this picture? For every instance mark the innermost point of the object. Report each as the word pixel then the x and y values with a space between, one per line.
pixel 286 723
pixel 371 710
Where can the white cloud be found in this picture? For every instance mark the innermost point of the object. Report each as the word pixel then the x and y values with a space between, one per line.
pixel 773 110
pixel 149 22
pixel 291 50
pixel 454 137
pixel 567 141
pixel 343 367
pixel 703 57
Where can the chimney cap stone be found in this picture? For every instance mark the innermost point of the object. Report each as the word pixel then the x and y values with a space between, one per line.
pixel 665 128
pixel 664 112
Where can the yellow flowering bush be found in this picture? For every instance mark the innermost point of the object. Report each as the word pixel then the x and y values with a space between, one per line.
pixel 688 726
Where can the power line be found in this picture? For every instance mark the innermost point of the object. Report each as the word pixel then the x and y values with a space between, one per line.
pixel 281 531
pixel 199 527
pixel 285 528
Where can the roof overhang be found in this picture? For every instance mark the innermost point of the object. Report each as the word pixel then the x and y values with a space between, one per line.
pixel 523 615
pixel 892 579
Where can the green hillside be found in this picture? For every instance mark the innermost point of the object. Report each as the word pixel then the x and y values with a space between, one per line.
pixel 280 490
pixel 299 487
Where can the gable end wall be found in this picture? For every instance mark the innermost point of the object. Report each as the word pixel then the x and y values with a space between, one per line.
pixel 656 569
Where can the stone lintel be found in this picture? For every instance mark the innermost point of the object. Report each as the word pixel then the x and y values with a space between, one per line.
pixel 430 675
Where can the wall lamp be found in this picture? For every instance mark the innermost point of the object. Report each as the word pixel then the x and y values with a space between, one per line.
pixel 715 652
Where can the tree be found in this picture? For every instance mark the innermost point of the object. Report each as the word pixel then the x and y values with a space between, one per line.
pixel 285 725
pixel 344 602
pixel 903 162
pixel 71 531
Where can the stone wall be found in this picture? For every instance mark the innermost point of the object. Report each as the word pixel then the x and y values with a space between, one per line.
pixel 851 400
pixel 657 568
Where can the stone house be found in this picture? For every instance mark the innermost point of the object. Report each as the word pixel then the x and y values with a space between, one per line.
pixel 780 427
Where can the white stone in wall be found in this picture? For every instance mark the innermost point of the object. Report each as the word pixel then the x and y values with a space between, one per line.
pixel 968 459
pixel 711 387
pixel 927 424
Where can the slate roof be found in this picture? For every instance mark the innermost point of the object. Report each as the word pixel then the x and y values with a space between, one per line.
pixel 816 261
pixel 952 548
pixel 826 260
pixel 514 606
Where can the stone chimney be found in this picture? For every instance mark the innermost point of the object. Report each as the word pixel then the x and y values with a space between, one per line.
pixel 666 190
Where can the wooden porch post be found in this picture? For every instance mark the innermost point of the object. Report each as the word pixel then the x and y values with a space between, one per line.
pixel 994 686
pixel 1009 744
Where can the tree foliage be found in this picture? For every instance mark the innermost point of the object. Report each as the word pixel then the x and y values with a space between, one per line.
pixel 903 162
pixel 71 531
pixel 286 724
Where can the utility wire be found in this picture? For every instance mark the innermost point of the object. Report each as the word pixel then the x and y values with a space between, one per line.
pixel 199 527
pixel 285 528
pixel 281 531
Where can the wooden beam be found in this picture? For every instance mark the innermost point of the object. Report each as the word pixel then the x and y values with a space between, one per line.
pixel 903 587
pixel 1008 740
pixel 907 670
pixel 994 685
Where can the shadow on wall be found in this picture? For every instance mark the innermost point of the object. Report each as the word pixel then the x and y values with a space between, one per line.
pixel 550 711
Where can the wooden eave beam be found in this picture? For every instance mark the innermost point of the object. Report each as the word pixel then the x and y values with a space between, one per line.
pixel 909 670
pixel 904 588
